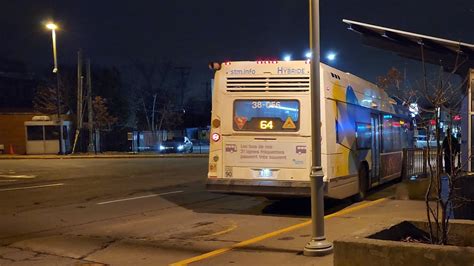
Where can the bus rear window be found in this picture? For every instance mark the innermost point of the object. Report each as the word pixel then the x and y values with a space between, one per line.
pixel 266 115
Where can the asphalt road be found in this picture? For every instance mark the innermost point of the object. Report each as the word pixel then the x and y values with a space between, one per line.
pixel 126 212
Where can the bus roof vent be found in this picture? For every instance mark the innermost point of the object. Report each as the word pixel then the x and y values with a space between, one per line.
pixel 259 84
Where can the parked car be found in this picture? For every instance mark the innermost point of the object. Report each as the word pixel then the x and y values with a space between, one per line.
pixel 176 145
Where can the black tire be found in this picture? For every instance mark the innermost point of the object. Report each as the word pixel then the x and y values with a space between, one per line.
pixel 191 150
pixel 363 184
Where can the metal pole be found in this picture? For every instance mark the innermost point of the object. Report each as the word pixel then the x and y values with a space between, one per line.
pixel 55 58
pixel 318 245
pixel 79 90
pixel 79 99
pixel 90 119
pixel 58 95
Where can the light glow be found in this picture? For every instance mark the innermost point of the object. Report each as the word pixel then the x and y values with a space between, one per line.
pixel 331 56
pixel 52 26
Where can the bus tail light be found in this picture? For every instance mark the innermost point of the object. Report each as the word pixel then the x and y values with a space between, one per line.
pixel 216 123
pixel 216 137
pixel 214 66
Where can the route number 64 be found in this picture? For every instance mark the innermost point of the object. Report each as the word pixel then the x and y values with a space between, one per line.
pixel 264 124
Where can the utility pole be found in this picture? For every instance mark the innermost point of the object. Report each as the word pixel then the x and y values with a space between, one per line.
pixel 318 245
pixel 90 119
pixel 80 84
pixel 79 89
pixel 58 106
pixel 183 78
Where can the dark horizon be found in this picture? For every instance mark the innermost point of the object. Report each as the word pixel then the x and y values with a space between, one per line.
pixel 116 33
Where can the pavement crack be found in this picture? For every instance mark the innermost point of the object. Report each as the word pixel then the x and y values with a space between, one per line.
pixel 102 247
pixel 37 254
pixel 7 259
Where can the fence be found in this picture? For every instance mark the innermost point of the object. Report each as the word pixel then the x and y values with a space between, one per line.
pixel 416 162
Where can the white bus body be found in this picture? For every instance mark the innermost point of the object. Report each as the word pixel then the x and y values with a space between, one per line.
pixel 261 131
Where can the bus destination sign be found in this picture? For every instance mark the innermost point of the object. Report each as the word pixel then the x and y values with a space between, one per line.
pixel 266 115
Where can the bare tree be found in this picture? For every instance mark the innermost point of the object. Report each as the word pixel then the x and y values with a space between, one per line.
pixel 442 97
pixel 150 84
pixel 45 101
pixel 396 86
pixel 170 117
pixel 103 120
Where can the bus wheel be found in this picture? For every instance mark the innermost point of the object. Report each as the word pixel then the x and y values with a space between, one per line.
pixel 363 183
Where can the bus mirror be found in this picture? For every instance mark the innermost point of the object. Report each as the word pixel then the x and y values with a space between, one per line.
pixel 214 66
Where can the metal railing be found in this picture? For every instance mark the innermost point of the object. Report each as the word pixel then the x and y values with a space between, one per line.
pixel 416 162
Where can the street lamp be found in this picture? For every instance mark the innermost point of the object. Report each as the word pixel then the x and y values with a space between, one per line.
pixel 53 27
pixel 331 56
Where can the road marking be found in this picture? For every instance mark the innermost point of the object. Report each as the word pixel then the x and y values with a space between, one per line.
pixel 31 187
pixel 231 228
pixel 141 197
pixel 271 234
pixel 18 176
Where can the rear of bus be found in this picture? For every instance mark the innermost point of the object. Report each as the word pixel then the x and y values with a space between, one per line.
pixel 260 129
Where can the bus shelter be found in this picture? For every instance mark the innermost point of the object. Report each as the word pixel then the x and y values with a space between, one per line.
pixel 453 56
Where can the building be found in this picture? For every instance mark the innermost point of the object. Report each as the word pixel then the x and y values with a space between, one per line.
pixel 17 87
pixel 12 130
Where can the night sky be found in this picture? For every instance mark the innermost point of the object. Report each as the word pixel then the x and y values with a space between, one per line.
pixel 192 33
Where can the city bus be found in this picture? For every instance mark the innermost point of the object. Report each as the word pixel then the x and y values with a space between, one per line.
pixel 261 131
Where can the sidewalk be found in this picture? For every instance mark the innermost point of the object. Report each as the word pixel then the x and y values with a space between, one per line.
pixel 286 248
pixel 116 155
pixel 281 247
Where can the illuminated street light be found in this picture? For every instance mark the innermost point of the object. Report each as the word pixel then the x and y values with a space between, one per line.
pixel 308 55
pixel 287 57
pixel 53 27
pixel 331 56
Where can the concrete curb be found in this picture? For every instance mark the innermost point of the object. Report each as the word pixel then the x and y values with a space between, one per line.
pixel 102 156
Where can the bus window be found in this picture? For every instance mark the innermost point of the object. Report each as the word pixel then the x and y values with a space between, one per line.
pixel 266 115
pixel 396 133
pixel 363 136
pixel 393 133
pixel 387 133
